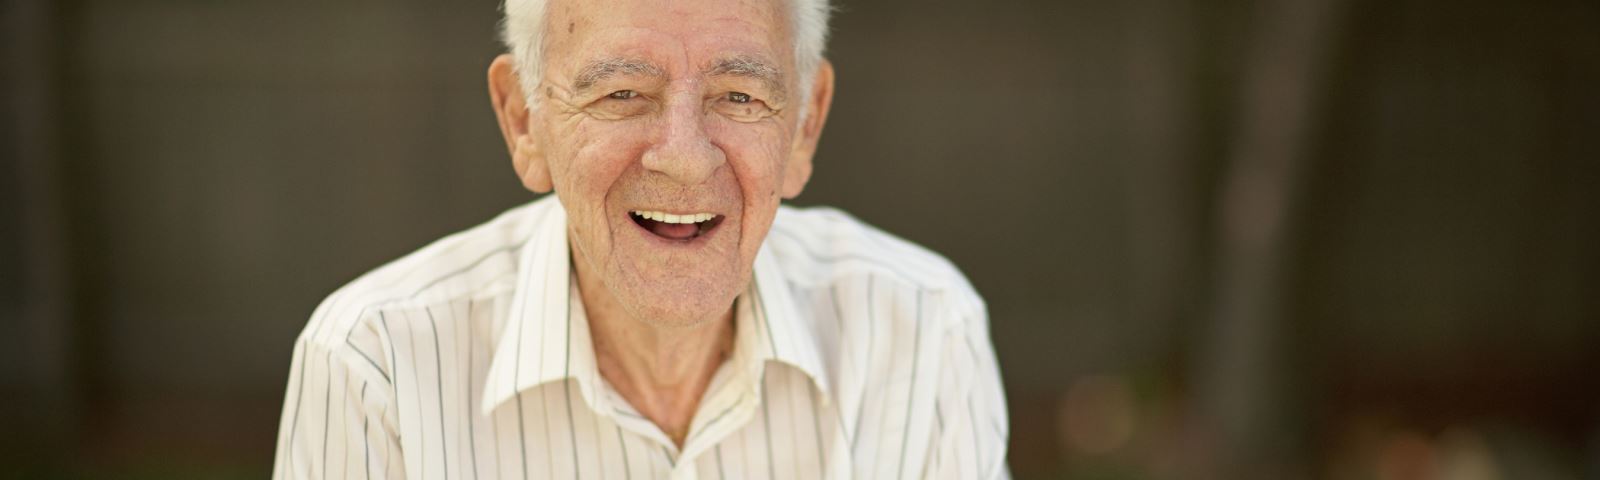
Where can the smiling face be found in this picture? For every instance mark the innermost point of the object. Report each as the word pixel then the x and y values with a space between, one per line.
pixel 670 130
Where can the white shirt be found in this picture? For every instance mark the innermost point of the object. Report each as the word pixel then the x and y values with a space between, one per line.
pixel 856 355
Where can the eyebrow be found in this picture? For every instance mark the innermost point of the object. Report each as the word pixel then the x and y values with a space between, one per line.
pixel 748 67
pixel 599 70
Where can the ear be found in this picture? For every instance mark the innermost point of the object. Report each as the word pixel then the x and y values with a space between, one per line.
pixel 511 109
pixel 798 171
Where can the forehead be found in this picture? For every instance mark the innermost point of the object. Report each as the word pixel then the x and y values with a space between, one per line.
pixel 671 32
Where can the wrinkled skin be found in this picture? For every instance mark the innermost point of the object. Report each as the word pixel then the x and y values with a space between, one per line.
pixel 673 137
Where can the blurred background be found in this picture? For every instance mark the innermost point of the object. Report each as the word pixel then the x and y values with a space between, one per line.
pixel 1293 239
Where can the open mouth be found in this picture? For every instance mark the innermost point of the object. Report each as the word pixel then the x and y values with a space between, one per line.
pixel 674 226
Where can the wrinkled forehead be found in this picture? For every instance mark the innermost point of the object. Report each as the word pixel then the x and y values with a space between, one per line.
pixel 679 36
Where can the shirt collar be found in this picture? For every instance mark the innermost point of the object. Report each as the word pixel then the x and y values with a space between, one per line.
pixel 546 334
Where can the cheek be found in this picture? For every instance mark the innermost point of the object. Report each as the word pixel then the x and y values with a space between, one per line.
pixel 600 152
pixel 756 152
pixel 594 156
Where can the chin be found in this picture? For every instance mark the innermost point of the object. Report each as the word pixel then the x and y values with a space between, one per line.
pixel 678 301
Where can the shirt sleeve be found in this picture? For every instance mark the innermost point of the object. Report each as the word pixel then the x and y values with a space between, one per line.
pixel 971 425
pixel 336 420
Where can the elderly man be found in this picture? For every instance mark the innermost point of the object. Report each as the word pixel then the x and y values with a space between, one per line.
pixel 660 315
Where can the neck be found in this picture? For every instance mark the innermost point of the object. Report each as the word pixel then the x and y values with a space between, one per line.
pixel 662 371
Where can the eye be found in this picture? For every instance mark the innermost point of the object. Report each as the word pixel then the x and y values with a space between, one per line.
pixel 619 105
pixel 743 107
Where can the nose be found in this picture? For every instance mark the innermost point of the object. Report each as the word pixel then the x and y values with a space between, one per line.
pixel 684 151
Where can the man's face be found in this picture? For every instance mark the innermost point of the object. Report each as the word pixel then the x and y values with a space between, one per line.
pixel 670 130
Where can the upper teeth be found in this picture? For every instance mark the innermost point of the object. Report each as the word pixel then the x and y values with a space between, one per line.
pixel 671 218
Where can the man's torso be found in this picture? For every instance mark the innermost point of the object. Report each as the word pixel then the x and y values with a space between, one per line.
pixel 470 359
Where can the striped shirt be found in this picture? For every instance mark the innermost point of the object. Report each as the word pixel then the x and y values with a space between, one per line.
pixel 856 355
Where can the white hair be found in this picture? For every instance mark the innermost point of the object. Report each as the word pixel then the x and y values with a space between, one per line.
pixel 522 30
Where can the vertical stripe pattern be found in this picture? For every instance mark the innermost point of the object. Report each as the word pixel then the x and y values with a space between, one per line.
pixel 857 355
